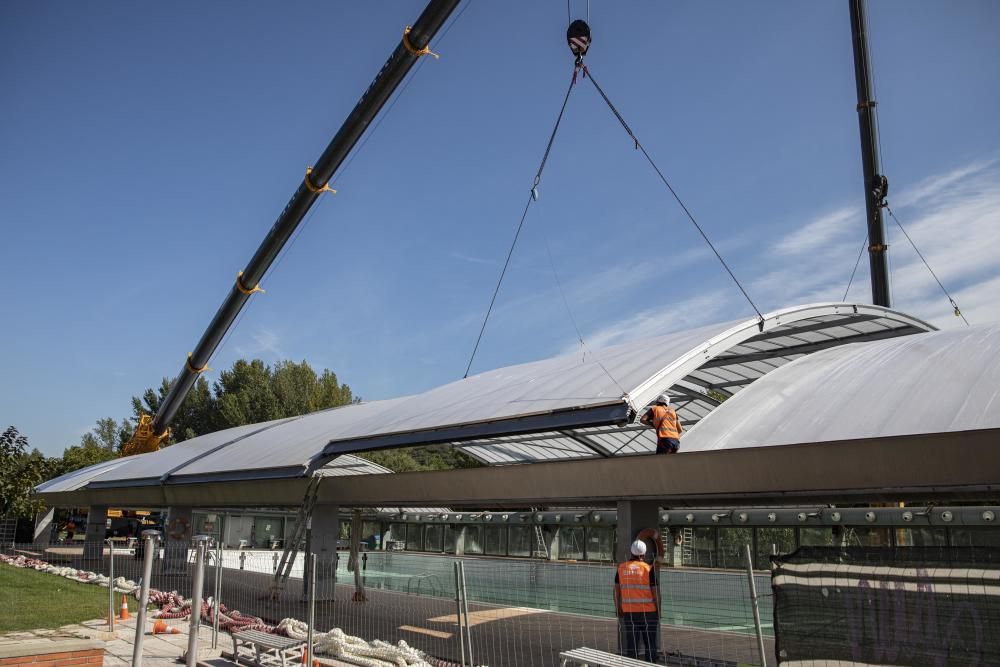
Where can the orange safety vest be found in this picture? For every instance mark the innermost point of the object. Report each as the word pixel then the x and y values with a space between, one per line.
pixel 636 592
pixel 666 423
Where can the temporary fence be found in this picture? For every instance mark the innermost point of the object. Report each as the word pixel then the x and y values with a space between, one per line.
pixel 454 610
pixel 915 606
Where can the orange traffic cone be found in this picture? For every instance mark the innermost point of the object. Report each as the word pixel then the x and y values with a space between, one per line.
pixel 161 628
pixel 124 612
pixel 305 658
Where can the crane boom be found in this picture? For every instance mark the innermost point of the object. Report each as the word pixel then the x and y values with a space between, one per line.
pixel 876 183
pixel 151 431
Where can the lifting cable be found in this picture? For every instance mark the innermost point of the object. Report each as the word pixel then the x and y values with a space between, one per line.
pixel 878 134
pixel 955 308
pixel 858 262
pixel 638 145
pixel 578 37
pixel 532 197
pixel 883 203
pixel 579 336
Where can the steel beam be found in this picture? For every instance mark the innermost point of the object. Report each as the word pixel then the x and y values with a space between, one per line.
pixel 808 348
pixel 819 326
pixel 912 467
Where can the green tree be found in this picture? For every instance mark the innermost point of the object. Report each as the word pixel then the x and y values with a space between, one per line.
pixel 100 444
pixel 245 396
pixel 247 393
pixel 396 460
pixel 430 457
pixel 87 453
pixel 20 471
pixel 108 435
pixel 194 417
pixel 106 432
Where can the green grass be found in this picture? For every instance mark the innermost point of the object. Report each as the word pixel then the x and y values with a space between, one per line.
pixel 32 600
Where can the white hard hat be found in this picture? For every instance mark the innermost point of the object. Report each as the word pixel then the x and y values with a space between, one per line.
pixel 663 399
pixel 638 548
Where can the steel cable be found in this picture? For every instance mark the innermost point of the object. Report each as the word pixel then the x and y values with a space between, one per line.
pixel 531 198
pixel 572 319
pixel 954 305
pixel 856 264
pixel 673 192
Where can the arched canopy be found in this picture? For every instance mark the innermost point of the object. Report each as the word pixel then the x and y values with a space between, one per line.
pixel 940 382
pixel 566 407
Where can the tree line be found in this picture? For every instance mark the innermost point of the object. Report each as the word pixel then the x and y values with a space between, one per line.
pixel 249 392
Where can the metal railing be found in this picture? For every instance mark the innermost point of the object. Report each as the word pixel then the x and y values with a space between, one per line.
pixel 456 610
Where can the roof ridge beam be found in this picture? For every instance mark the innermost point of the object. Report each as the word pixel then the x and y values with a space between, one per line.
pixel 807 348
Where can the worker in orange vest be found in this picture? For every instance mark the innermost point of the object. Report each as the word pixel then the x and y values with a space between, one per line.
pixel 637 604
pixel 668 427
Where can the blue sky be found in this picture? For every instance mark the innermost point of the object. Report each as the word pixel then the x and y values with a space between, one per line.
pixel 145 150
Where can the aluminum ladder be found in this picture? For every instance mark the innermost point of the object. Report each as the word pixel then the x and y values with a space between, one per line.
pixel 302 520
pixel 687 547
pixel 541 546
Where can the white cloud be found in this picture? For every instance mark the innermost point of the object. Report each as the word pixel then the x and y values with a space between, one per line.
pixel 821 232
pixel 472 259
pixel 688 314
pixel 626 277
pixel 265 342
pixel 954 218
pixel 934 186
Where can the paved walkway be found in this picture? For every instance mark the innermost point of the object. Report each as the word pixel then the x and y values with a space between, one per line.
pixel 157 650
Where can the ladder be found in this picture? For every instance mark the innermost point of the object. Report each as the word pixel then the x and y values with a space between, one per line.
pixel 302 520
pixel 687 547
pixel 541 545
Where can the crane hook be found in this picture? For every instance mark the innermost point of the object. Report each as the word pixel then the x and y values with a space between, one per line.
pixel 578 38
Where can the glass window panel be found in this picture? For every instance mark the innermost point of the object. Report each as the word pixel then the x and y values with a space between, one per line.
pixel 395 538
pixel 414 537
pixel 732 547
pixel 267 530
pixel 571 545
pixel 702 552
pixel 822 536
pixel 921 537
pixel 519 541
pixel 451 538
pixel 433 537
pixel 975 537
pixel 473 539
pixel 495 540
pixel 600 543
pixel 370 535
pixel 867 537
pixel 773 540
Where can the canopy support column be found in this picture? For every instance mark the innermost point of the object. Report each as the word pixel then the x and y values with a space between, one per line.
pixel 324 531
pixel 177 540
pixel 634 516
pixel 97 526
pixel 43 527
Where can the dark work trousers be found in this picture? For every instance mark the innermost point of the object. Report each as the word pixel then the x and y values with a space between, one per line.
pixel 639 628
pixel 667 445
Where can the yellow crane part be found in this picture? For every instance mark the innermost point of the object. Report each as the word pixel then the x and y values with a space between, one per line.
pixel 144 439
